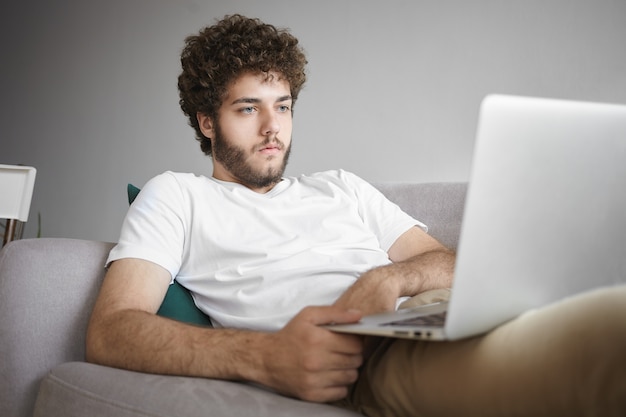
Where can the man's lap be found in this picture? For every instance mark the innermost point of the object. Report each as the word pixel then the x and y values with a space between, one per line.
pixel 565 359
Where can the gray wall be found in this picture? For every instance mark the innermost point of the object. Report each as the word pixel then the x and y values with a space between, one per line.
pixel 88 88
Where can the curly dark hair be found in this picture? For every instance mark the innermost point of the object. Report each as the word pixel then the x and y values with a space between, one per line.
pixel 219 54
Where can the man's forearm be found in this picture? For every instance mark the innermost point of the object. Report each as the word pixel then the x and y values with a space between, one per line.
pixel 378 289
pixel 302 360
pixel 427 271
pixel 140 341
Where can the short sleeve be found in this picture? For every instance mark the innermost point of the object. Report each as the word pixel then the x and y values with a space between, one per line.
pixel 385 218
pixel 154 226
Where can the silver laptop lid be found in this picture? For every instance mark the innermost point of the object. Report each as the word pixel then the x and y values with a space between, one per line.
pixel 545 214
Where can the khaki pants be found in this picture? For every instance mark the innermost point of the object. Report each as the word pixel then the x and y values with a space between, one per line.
pixel 567 359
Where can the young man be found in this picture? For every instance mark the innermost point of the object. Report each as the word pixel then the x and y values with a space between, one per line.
pixel 270 259
pixel 256 249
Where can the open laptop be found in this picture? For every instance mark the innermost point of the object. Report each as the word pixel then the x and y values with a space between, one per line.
pixel 545 217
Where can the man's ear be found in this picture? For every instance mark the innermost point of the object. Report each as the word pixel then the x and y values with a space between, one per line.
pixel 206 125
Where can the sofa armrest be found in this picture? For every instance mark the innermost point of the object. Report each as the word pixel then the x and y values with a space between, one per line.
pixel 47 291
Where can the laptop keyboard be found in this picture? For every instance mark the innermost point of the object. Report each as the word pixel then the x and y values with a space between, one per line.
pixel 434 320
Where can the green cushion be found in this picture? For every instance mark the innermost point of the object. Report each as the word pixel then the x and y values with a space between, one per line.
pixel 178 303
pixel 132 192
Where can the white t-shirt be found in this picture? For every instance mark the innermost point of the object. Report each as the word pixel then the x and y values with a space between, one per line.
pixel 255 260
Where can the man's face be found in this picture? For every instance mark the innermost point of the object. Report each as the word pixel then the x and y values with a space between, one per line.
pixel 251 139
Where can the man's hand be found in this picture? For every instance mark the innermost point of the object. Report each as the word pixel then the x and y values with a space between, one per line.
pixel 309 362
pixel 376 291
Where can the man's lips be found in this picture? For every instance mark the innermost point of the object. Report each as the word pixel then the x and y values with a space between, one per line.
pixel 270 149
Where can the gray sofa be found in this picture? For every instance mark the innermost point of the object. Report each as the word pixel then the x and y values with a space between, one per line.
pixel 47 289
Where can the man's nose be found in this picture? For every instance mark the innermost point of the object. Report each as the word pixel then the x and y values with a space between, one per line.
pixel 270 125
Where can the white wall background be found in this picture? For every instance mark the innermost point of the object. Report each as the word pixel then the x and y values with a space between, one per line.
pixel 88 88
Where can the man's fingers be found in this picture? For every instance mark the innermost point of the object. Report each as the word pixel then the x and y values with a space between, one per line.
pixel 320 364
pixel 333 342
pixel 324 395
pixel 333 386
pixel 334 361
pixel 330 314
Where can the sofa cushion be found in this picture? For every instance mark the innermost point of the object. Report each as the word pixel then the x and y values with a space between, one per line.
pixel 80 389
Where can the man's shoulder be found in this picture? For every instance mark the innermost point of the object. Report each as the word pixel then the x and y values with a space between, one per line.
pixel 332 175
pixel 338 181
pixel 178 179
pixel 184 176
pixel 174 186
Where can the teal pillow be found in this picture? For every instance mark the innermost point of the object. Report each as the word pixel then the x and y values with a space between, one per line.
pixel 178 303
pixel 132 192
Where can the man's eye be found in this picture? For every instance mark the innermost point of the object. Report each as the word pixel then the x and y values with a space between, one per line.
pixel 284 109
pixel 247 110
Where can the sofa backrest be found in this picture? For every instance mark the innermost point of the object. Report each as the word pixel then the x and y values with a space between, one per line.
pixel 48 287
pixel 439 205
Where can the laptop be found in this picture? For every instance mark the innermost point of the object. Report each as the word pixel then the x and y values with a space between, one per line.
pixel 544 218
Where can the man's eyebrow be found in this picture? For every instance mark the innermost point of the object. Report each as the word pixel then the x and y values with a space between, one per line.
pixel 246 100
pixel 283 98
pixel 252 100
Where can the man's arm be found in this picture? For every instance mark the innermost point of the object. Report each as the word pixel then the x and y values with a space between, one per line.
pixel 302 360
pixel 419 263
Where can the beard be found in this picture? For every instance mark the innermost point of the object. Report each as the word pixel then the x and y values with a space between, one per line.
pixel 234 159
